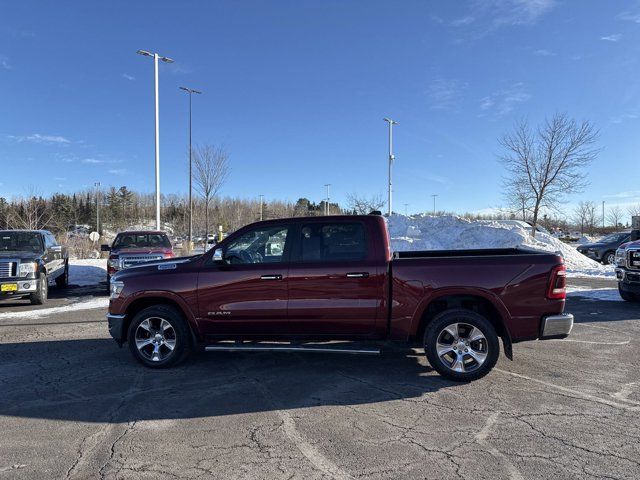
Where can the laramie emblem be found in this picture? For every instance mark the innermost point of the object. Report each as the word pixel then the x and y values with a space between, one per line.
pixel 218 313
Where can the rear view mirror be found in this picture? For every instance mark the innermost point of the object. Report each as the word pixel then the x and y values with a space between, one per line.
pixel 105 248
pixel 217 255
pixel 56 249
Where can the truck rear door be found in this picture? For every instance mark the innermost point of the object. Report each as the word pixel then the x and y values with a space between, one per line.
pixel 335 280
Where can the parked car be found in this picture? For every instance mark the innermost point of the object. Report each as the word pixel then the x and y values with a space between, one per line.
pixel 319 280
pixel 29 260
pixel 604 250
pixel 134 247
pixel 628 271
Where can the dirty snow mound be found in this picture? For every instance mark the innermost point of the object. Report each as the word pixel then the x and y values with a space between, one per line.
pixel 425 232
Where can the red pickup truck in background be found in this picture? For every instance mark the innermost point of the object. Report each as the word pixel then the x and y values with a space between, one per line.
pixel 332 284
pixel 136 246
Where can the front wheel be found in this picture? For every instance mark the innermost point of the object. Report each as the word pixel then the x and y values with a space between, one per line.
pixel 159 337
pixel 39 297
pixel 461 345
pixel 627 296
pixel 609 258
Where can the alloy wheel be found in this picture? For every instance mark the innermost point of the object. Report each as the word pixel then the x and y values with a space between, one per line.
pixel 155 339
pixel 461 347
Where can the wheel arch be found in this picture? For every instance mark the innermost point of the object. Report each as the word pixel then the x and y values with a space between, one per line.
pixel 477 301
pixel 140 303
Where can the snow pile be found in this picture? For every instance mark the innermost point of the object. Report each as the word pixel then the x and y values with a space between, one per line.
pixel 84 272
pixel 425 232
pixel 100 302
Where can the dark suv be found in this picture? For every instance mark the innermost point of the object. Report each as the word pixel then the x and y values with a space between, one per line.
pixel 604 250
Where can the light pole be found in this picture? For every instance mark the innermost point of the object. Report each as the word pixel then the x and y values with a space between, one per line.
pixel 603 226
pixel 391 158
pixel 326 208
pixel 261 203
pixel 190 91
pixel 405 209
pixel 434 204
pixel 97 185
pixel 156 57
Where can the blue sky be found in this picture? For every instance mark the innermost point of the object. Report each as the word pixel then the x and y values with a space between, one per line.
pixel 297 90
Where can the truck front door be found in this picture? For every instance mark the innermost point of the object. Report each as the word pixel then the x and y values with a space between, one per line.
pixel 245 294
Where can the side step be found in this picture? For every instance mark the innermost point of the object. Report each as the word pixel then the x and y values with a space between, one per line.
pixel 293 347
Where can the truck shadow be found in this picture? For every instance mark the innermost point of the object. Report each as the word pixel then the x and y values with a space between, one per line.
pixel 602 311
pixel 93 381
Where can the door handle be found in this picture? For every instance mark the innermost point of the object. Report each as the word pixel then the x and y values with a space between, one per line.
pixel 358 275
pixel 271 277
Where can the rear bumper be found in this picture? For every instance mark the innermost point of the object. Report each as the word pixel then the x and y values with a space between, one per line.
pixel 556 326
pixel 116 327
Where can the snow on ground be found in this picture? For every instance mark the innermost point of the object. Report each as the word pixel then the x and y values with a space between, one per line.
pixel 607 294
pixel 426 232
pixel 102 302
pixel 84 272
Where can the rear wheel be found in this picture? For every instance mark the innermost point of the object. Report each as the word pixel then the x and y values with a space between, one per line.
pixel 39 297
pixel 627 296
pixel 159 337
pixel 63 280
pixel 461 345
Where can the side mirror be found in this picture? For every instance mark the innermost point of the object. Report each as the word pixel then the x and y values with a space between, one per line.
pixel 56 249
pixel 217 256
pixel 105 248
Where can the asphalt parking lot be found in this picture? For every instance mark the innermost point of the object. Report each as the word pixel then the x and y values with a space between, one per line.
pixel 74 405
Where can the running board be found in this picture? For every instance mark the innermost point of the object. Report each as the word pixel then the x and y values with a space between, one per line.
pixel 286 347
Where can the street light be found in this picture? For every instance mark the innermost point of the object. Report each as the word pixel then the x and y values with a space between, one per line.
pixel 434 204
pixel 261 203
pixel 326 208
pixel 156 57
pixel 391 157
pixel 190 91
pixel 97 185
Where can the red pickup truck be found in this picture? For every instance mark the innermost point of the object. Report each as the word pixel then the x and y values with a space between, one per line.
pixel 332 284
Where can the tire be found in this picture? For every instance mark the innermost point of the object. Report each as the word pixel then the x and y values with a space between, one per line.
pixel 468 361
pixel 609 258
pixel 63 280
pixel 628 297
pixel 150 325
pixel 42 291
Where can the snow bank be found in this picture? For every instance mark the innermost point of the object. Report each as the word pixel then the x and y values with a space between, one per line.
pixel 595 294
pixel 84 272
pixel 425 232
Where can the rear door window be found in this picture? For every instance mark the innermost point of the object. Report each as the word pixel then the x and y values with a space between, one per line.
pixel 332 242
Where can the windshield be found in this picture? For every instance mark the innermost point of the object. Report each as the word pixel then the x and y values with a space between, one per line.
pixel 614 237
pixel 141 240
pixel 21 242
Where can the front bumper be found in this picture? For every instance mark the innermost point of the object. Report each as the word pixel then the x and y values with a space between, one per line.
pixel 556 326
pixel 24 286
pixel 116 327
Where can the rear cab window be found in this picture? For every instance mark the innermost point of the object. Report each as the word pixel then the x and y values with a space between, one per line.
pixel 141 240
pixel 330 242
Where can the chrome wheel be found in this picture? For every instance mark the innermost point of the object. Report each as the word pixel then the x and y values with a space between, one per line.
pixel 611 259
pixel 462 347
pixel 155 339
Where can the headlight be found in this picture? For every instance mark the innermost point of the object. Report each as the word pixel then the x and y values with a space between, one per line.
pixel 27 268
pixel 116 289
pixel 621 258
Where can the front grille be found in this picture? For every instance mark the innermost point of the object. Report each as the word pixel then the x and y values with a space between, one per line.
pixel 633 259
pixel 7 269
pixel 130 260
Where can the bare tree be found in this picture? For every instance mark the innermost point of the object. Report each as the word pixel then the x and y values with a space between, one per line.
pixel 581 215
pixel 615 216
pixel 634 210
pixel 591 216
pixel 363 205
pixel 549 161
pixel 211 165
pixel 519 198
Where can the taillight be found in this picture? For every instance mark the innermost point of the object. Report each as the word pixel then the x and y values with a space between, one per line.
pixel 558 283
